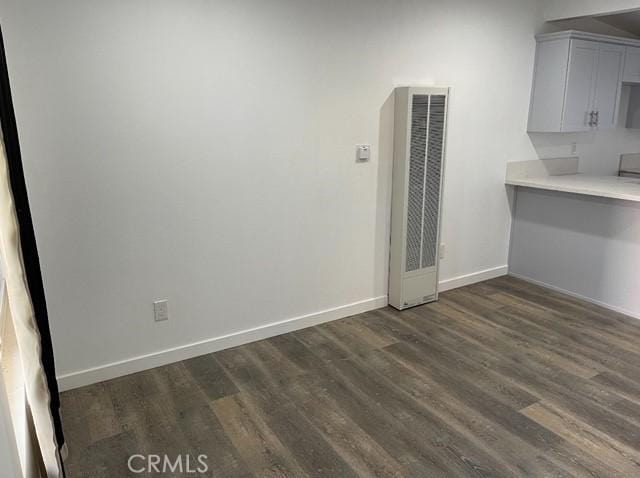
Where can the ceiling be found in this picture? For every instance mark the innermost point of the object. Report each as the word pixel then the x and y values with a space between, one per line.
pixel 628 22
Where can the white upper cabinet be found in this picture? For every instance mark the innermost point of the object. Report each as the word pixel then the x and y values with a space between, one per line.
pixel 577 82
pixel 580 83
pixel 608 85
pixel 632 65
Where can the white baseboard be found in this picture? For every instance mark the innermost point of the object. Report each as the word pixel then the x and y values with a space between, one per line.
pixel 614 308
pixel 472 278
pixel 164 357
pixel 184 352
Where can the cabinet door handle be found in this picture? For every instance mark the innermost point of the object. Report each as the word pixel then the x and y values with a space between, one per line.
pixel 591 115
pixel 597 117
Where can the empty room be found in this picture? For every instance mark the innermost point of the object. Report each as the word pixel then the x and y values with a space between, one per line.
pixel 319 238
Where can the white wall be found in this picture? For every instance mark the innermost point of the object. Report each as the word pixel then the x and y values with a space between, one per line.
pixel 561 9
pixel 203 151
pixel 586 246
pixel 599 151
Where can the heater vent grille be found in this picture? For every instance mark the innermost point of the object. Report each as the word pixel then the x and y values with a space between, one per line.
pixel 432 183
pixel 419 125
pixel 425 172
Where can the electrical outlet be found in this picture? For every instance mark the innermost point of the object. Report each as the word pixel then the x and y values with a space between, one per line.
pixel 443 250
pixel 161 310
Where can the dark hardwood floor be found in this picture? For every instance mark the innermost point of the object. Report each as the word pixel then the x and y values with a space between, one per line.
pixel 501 378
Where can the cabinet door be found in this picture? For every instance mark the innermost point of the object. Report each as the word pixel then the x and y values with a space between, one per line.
pixel 606 98
pixel 632 65
pixel 583 60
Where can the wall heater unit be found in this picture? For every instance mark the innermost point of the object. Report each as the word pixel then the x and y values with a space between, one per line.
pixel 418 167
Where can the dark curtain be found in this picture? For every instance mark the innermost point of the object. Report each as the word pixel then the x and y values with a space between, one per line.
pixel 27 237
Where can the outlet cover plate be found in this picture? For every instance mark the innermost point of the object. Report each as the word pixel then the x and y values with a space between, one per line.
pixel 161 310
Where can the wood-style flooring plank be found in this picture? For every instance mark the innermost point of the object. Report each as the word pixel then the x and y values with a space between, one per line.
pixel 257 444
pixel 500 378
pixel 210 377
pixel 313 453
pixel 624 460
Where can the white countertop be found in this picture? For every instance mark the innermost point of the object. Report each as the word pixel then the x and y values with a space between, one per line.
pixel 613 187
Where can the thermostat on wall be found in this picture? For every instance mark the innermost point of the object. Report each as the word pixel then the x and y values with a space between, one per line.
pixel 363 152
